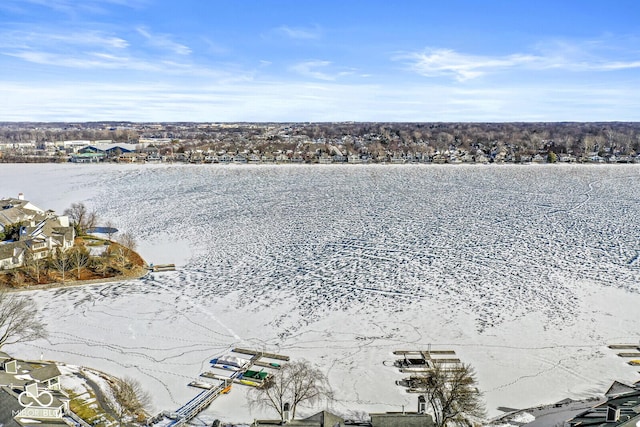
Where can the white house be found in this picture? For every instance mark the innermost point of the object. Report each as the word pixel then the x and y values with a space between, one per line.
pixel 39 233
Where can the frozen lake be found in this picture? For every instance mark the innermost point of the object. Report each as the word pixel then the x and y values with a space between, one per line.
pixel 527 272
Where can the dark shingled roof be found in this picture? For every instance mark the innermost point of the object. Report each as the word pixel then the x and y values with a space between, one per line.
pixel 8 406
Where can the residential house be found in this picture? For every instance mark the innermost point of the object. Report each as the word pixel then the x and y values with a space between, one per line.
pixel 525 158
pixel 87 157
pixel 325 159
pixel 283 158
pixel 622 409
pixel 354 158
pixel 538 158
pixel 211 158
pixel 321 419
pixel 467 158
pixel 152 152
pixel 401 419
pixel 240 158
pixel 481 158
pixel 624 159
pixel 181 157
pixel 31 393
pixel 387 419
pixel 268 158
pixel 404 418
pixel 225 158
pixel 438 158
pixel 153 158
pixel 253 158
pixel 196 156
pixel 127 158
pixel 567 158
pixel 40 232
pixel 398 158
pixel 47 377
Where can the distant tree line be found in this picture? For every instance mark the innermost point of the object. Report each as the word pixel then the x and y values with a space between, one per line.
pixel 377 140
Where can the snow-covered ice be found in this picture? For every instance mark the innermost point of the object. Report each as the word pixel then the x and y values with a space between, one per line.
pixel 527 272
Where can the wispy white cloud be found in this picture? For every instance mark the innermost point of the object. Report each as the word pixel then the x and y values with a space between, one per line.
pixel 60 40
pixel 556 55
pixel 439 62
pixel 300 33
pixel 314 69
pixel 90 49
pixel 73 7
pixel 72 49
pixel 320 70
pixel 163 41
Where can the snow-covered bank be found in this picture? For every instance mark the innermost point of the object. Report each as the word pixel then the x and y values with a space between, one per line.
pixel 526 271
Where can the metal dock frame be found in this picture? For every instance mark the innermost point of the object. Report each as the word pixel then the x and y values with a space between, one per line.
pixel 199 403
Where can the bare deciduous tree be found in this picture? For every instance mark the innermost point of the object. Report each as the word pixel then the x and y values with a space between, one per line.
pixel 79 257
pixel 129 399
pixel 297 383
pixel 126 245
pixel 34 265
pixel 452 394
pixel 110 229
pixel 18 320
pixel 17 278
pixel 91 221
pixel 81 218
pixel 128 241
pixel 102 264
pixel 61 262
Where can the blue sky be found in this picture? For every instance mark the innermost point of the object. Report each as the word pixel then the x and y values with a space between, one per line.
pixel 312 60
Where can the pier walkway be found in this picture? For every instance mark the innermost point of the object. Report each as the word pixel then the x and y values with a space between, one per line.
pixel 199 403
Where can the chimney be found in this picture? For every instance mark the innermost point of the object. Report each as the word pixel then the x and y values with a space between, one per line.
pixel 20 196
pixel 422 405
pixel 286 413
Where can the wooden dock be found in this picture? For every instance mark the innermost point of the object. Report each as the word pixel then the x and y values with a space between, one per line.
pixel 261 354
pixel 162 267
pixel 629 354
pixel 213 375
pixel 201 384
pixel 443 361
pixel 422 352
pixel 211 391
pixel 267 365
pixel 624 347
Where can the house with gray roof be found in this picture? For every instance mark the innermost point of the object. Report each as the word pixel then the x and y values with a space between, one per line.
pixel 47 376
pixel 622 409
pixel 39 234
pixel 321 419
pixel 31 391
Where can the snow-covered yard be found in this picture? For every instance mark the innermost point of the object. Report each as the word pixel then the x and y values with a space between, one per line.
pixel 527 272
